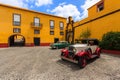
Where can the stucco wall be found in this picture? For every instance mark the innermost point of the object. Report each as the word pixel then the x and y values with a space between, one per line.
pixel 27 17
pixel 102 24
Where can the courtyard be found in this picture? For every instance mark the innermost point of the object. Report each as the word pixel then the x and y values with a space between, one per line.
pixel 42 63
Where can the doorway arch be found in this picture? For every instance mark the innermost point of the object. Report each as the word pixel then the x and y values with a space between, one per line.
pixel 16 40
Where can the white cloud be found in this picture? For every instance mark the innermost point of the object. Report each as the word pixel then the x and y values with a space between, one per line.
pixel 66 11
pixel 26 3
pixel 43 2
pixel 19 3
pixel 71 10
pixel 61 4
pixel 87 4
pixel 62 9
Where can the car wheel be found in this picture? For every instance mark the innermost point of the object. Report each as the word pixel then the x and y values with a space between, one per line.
pixel 62 54
pixel 82 62
pixel 98 54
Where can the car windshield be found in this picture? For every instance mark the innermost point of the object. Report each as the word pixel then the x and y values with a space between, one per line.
pixel 71 48
pixel 80 48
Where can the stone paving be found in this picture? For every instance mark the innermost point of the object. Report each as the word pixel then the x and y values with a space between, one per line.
pixel 42 63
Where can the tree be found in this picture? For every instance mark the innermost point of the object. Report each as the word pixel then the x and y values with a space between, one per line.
pixel 85 34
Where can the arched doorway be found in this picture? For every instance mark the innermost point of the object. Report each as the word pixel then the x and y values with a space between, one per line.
pixel 16 40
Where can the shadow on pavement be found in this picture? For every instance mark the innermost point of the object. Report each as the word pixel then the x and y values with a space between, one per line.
pixel 74 66
pixel 68 64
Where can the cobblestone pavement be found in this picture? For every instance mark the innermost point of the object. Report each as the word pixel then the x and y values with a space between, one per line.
pixel 42 63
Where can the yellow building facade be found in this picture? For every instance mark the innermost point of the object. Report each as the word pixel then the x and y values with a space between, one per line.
pixel 102 17
pixel 22 27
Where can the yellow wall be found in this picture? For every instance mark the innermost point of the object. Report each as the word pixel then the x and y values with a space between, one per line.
pixel 102 25
pixel 27 16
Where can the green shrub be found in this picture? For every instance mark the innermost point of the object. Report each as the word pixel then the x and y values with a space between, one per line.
pixel 111 41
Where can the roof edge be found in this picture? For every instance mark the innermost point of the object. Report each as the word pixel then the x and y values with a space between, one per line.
pixel 95 4
pixel 6 5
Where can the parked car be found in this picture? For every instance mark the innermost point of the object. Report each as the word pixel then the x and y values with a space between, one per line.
pixel 80 53
pixel 59 45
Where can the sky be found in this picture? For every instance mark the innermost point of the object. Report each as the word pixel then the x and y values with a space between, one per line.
pixel 64 8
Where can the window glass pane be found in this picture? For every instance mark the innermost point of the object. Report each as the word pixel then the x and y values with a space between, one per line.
pixel 16 23
pixel 36 31
pixel 51 23
pixel 61 25
pixel 17 17
pixel 61 33
pixel 16 30
pixel 51 32
pixel 37 24
pixel 100 7
pixel 51 27
pixel 36 20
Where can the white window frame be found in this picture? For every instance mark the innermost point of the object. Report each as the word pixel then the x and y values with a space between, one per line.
pixel 36 21
pixel 16 30
pixel 51 32
pixel 61 25
pixel 16 19
pixel 100 7
pixel 36 31
pixel 52 24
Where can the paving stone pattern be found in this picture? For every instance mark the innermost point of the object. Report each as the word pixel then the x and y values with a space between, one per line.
pixel 42 63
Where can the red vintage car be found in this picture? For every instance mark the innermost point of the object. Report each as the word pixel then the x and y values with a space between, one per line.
pixel 80 53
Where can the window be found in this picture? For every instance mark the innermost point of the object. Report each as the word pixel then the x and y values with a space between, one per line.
pixel 36 31
pixel 51 24
pixel 100 7
pixel 16 19
pixel 61 33
pixel 51 32
pixel 36 21
pixel 61 25
pixel 16 30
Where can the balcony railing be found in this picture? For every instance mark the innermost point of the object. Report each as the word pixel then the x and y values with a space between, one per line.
pixel 36 25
